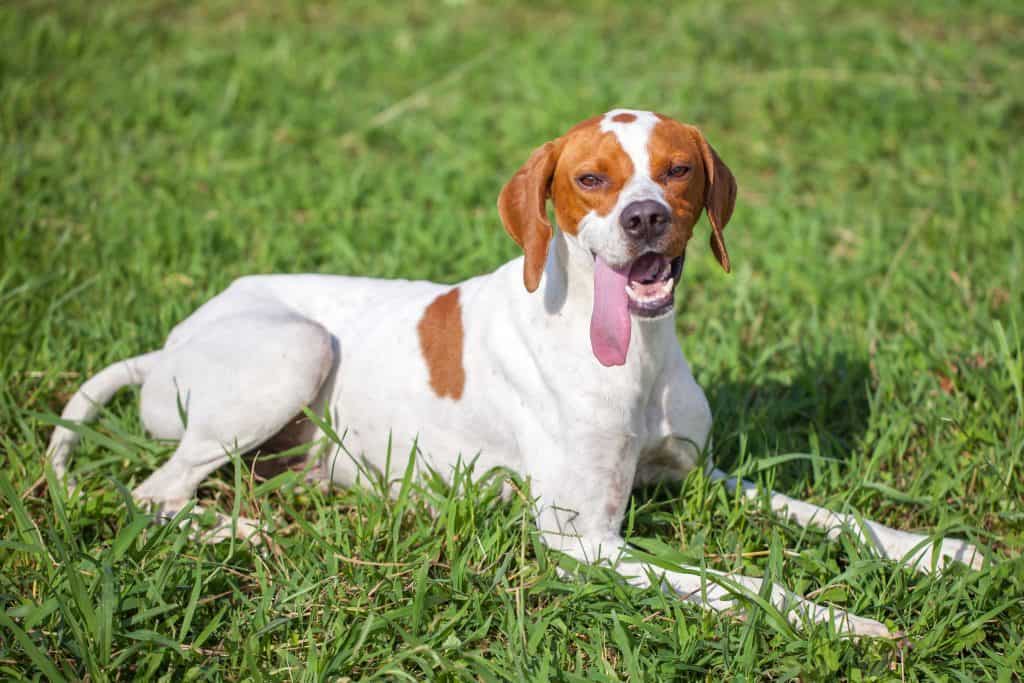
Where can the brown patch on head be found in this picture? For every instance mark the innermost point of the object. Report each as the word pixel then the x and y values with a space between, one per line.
pixel 624 117
pixel 441 342
pixel 588 150
pixel 708 184
pixel 523 208
pixel 551 171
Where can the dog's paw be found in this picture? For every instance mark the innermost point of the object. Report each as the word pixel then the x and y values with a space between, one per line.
pixel 862 627
pixel 207 527
pixel 225 528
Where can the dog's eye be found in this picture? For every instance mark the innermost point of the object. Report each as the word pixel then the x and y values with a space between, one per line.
pixel 590 181
pixel 678 171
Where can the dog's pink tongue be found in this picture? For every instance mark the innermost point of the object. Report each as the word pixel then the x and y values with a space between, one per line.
pixel 609 323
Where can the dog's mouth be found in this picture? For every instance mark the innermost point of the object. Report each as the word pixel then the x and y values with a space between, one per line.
pixel 644 288
pixel 651 284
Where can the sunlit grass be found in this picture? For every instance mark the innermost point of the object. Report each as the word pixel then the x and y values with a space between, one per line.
pixel 150 152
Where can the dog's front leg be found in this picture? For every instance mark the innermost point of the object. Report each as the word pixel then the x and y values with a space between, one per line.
pixel 580 501
pixel 915 550
pixel 718 591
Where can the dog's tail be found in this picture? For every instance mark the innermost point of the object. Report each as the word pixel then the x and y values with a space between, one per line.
pixel 88 400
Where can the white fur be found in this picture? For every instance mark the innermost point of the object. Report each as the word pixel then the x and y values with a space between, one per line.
pixel 634 137
pixel 535 399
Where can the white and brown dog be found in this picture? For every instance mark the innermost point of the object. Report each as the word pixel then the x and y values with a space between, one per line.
pixel 490 367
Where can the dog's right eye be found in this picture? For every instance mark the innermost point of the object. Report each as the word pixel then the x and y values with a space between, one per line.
pixel 590 181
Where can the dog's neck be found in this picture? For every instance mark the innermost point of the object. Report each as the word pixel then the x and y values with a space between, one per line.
pixel 568 291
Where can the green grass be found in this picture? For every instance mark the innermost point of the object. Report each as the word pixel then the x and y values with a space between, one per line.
pixel 152 151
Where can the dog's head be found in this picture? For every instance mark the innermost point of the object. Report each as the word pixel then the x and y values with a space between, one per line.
pixel 627 187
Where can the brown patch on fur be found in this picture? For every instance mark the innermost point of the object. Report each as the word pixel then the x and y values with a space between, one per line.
pixel 551 172
pixel 709 184
pixel 441 342
pixel 624 117
pixel 719 197
pixel 585 124
pixel 523 208
pixel 588 149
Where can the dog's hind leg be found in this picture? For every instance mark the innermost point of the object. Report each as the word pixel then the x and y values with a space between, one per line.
pixel 227 389
pixel 915 550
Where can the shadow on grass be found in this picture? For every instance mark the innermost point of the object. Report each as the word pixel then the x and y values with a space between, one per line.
pixel 824 409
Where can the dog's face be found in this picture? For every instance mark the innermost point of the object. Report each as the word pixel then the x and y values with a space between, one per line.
pixel 627 187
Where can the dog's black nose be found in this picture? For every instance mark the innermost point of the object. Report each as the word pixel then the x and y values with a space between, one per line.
pixel 647 219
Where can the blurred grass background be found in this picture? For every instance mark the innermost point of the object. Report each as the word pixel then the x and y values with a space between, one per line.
pixel 150 152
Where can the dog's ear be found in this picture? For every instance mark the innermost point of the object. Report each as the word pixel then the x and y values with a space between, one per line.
pixel 523 208
pixel 719 196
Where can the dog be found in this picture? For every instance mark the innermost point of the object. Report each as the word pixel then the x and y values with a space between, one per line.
pixel 562 365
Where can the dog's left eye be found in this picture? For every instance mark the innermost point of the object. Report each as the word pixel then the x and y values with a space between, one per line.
pixel 678 171
pixel 590 180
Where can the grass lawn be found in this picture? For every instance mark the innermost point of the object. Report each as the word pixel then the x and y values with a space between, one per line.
pixel 866 353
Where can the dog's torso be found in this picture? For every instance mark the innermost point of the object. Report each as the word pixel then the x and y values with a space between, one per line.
pixel 479 371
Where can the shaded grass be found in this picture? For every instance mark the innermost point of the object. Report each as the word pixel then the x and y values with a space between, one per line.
pixel 151 152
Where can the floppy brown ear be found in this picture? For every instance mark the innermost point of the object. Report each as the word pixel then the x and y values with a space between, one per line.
pixel 719 197
pixel 523 208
